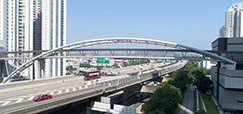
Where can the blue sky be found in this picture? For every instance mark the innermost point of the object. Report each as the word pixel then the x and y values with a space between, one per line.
pixel 190 22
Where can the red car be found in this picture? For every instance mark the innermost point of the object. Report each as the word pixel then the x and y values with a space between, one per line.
pixel 42 97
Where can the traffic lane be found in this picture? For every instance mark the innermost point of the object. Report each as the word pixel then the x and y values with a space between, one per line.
pixel 23 92
pixel 187 106
pixel 49 87
pixel 57 97
pixel 15 95
pixel 7 90
pixel 21 83
pixel 38 81
pixel 124 68
pixel 41 81
pixel 133 69
pixel 60 91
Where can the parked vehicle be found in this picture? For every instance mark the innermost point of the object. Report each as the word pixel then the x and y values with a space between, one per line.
pixel 42 97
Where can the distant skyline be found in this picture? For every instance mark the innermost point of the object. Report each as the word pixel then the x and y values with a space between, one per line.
pixel 192 23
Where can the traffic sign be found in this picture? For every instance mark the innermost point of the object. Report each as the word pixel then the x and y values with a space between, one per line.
pixel 102 61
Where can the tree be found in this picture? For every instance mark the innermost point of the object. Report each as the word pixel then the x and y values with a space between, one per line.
pixel 208 71
pixel 125 64
pixel 85 65
pixel 203 83
pixel 195 73
pixel 69 68
pixel 164 100
pixel 190 65
pixel 181 80
pixel 115 66
pixel 99 67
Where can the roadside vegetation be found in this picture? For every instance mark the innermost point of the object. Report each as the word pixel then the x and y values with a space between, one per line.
pixel 209 104
pixel 115 66
pixel 179 82
pixel 85 65
pixel 164 100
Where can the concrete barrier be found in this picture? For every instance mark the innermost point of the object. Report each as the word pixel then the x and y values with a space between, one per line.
pixel 101 105
pixel 125 109
pixel 118 108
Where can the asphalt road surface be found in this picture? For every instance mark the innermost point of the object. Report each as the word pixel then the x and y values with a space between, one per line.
pixel 187 106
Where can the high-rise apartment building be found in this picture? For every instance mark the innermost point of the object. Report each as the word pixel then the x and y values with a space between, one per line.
pixel 16 29
pixel 49 32
pixel 27 25
pixel 3 25
pixel 222 32
pixel 234 21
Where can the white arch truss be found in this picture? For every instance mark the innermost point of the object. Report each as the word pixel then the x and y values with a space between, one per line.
pixel 115 40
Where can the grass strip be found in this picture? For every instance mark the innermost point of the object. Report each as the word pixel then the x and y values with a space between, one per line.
pixel 210 106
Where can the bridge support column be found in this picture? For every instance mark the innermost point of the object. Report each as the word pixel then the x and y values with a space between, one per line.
pixel 48 68
pixel 125 94
pixel 218 67
pixel 2 69
pixel 37 70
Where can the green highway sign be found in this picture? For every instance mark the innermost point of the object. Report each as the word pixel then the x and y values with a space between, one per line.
pixel 102 61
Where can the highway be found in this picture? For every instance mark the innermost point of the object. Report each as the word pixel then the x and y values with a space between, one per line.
pixel 21 94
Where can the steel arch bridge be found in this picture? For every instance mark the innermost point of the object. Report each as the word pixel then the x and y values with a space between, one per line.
pixel 72 46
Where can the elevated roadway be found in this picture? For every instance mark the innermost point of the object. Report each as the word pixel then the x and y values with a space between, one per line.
pixel 17 98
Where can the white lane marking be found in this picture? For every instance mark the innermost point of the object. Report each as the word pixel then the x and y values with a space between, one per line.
pixel 52 93
pixel 80 87
pixel 59 92
pixel 31 98
pixel 67 90
pixel 74 89
pixel 86 86
pixel 5 103
pixel 19 100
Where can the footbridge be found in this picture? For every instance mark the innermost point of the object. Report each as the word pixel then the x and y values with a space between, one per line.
pixel 114 48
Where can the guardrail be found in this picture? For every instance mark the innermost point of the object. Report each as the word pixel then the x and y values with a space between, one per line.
pixel 98 89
